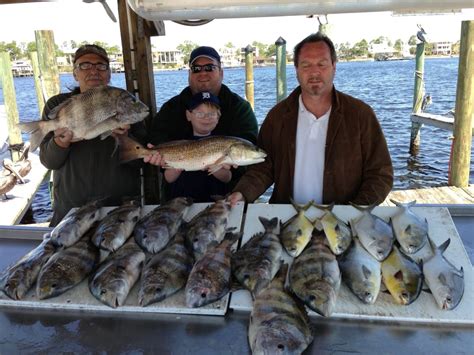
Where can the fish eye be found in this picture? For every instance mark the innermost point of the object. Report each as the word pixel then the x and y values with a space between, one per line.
pixel 103 291
pixel 281 346
pixel 246 276
pixel 312 297
pixel 158 289
pixel 203 295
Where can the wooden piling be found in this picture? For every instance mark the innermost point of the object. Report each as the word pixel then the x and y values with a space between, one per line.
pixel 9 97
pixel 461 154
pixel 249 83
pixel 417 98
pixel 48 67
pixel 38 84
pixel 281 69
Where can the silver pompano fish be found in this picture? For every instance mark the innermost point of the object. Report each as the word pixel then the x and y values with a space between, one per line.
pixel 210 277
pixel 67 268
pixel 208 226
pixel 166 272
pixel 16 280
pixel 410 230
pixel 73 226
pixel 154 231
pixel 337 232
pixel 315 277
pixel 374 233
pixel 444 280
pixel 255 264
pixel 361 272
pixel 116 227
pixel 278 324
pixel 90 114
pixel 296 232
pixel 402 277
pixel 210 152
pixel 116 276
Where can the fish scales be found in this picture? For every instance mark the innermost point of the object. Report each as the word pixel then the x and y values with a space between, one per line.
pixel 337 232
pixel 17 279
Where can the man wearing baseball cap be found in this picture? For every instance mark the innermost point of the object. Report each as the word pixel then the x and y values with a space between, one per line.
pixel 205 74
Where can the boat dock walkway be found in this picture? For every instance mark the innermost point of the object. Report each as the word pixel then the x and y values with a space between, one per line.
pixel 449 195
pixel 440 121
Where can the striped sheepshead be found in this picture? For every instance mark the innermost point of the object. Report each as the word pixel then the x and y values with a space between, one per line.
pixel 116 227
pixel 95 112
pixel 337 232
pixel 446 283
pixel 207 153
pixel 210 277
pixel 17 279
pixel 155 230
pixel 402 277
pixel 315 277
pixel 76 223
pixel 374 233
pixel 166 272
pixel 116 276
pixel 208 226
pixel 296 232
pixel 278 324
pixel 410 230
pixel 361 272
pixel 67 268
pixel 255 264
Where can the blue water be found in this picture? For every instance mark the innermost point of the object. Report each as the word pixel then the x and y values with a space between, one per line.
pixel 386 86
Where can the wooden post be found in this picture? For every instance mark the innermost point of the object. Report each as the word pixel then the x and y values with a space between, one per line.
pixel 249 83
pixel 48 67
pixel 280 68
pixel 9 97
pixel 461 156
pixel 38 83
pixel 417 98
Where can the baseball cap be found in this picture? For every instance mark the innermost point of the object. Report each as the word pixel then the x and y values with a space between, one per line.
pixel 91 49
pixel 204 51
pixel 202 97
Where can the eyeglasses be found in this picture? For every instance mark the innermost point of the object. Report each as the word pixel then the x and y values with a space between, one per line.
pixel 207 68
pixel 89 66
pixel 210 115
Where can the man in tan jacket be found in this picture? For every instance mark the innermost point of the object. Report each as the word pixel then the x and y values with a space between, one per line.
pixel 322 144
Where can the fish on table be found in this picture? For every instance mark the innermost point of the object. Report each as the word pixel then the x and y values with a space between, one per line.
pixel 192 155
pixel 410 229
pixel 296 232
pixel 17 279
pixel 315 277
pixel 256 262
pixel 444 280
pixel 95 112
pixel 278 323
pixel 157 228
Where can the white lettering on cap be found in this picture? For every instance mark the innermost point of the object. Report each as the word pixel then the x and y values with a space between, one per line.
pixel 206 95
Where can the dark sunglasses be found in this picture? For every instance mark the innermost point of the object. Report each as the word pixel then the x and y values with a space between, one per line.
pixel 207 68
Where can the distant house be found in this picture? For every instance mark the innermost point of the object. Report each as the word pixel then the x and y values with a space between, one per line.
pixel 170 57
pixel 442 48
pixel 381 51
pixel 229 57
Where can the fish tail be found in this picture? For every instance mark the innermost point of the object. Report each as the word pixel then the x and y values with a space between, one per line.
pixel 130 149
pixel 37 131
pixel 298 207
pixel 361 208
pixel 323 207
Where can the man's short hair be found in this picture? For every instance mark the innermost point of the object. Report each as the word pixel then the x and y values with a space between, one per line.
pixel 91 49
pixel 313 38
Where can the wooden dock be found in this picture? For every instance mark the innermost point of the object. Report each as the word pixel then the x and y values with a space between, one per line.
pixel 449 195
pixel 444 122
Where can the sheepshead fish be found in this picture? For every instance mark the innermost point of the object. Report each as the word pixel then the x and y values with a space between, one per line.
pixel 315 277
pixel 361 272
pixel 255 264
pixel 208 226
pixel 296 232
pixel 16 280
pixel 73 226
pixel 116 276
pixel 337 232
pixel 410 230
pixel 402 277
pixel 154 231
pixel 67 268
pixel 116 227
pixel 446 283
pixel 166 272
pixel 210 277
pixel 278 324
pixel 210 152
pixel 95 112
pixel 374 233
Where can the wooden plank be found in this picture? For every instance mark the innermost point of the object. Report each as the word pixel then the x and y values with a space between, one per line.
pixel 348 306
pixel 433 195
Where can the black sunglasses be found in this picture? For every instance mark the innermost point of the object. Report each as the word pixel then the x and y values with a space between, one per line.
pixel 207 68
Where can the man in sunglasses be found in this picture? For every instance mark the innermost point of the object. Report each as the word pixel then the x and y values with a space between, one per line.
pixel 205 74
pixel 88 169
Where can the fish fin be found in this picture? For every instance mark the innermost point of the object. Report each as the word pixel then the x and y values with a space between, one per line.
pixel 37 130
pixel 213 168
pixel 299 208
pixel 363 209
pixel 105 135
pixel 318 224
pixel 366 272
pixel 442 248
pixel 8 164
pixel 399 275
pixel 269 224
